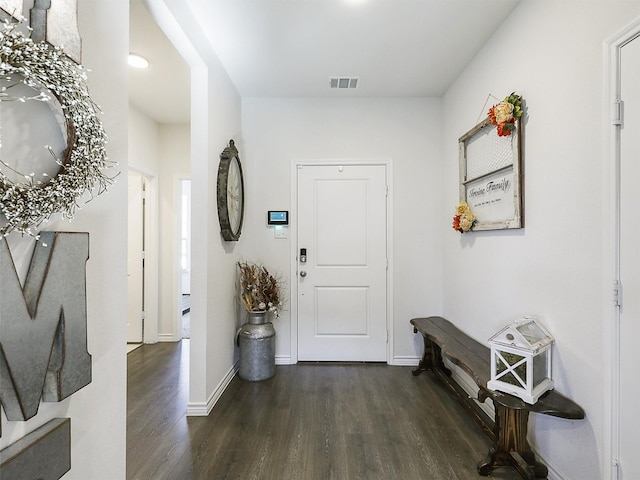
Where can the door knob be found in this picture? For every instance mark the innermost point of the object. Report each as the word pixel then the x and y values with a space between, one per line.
pixel 303 273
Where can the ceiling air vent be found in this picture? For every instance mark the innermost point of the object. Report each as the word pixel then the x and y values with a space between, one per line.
pixel 343 82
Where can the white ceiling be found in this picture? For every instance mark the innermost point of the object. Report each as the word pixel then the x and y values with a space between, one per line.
pixel 290 48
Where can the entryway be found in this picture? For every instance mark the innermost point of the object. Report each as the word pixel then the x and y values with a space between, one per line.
pixel 342 262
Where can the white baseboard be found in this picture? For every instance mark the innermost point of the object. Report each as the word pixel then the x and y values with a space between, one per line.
pixel 166 337
pixel 283 359
pixel 469 386
pixel 553 473
pixel 405 361
pixel 199 409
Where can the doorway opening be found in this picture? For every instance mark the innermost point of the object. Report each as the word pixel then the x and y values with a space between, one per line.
pixel 185 256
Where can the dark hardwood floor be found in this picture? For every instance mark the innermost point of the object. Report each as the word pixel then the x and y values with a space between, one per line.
pixel 309 422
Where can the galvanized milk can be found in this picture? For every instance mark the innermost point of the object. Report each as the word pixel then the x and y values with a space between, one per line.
pixel 257 342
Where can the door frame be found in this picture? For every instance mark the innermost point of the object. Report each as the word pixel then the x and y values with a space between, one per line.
pixel 293 230
pixel 611 243
pixel 150 272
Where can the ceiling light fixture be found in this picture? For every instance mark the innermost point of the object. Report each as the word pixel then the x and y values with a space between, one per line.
pixel 138 61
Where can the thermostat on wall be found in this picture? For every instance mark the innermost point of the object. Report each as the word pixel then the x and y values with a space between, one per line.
pixel 278 217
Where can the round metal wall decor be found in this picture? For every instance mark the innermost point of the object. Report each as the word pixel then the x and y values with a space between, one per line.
pixel 30 201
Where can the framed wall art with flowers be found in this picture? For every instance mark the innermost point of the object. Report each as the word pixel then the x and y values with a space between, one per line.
pixel 491 173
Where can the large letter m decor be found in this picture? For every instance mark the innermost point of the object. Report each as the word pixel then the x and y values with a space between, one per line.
pixel 43 326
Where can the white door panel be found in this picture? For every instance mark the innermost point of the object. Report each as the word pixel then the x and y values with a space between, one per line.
pixel 630 264
pixel 342 304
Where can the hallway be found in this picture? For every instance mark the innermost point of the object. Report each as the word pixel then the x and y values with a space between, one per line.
pixel 311 421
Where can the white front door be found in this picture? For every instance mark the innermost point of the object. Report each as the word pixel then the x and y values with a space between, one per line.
pixel 134 259
pixel 342 284
pixel 630 263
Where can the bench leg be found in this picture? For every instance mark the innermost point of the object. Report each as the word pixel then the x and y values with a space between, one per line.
pixel 426 363
pixel 431 358
pixel 511 446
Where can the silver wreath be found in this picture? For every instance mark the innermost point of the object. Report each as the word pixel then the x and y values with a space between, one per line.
pixel 26 204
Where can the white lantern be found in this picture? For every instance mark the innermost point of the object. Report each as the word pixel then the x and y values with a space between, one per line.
pixel 521 360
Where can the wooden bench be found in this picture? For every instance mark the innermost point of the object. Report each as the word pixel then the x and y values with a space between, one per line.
pixel 508 431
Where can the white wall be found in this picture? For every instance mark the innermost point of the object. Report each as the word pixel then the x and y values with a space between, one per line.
pixel 98 411
pixel 407 131
pixel 144 138
pixel 215 104
pixel 213 266
pixel 552 54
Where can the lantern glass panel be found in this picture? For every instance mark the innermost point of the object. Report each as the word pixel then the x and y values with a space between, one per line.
pixel 540 367
pixel 532 332
pixel 511 359
pixel 511 379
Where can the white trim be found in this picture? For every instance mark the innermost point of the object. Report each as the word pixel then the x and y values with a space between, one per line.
pixel 293 274
pixel 611 243
pixel 166 337
pixel 293 229
pixel 152 260
pixel 552 473
pixel 390 296
pixel 197 409
pixel 283 360
pixel 469 386
pixel 150 272
pixel 200 409
pixel 405 361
